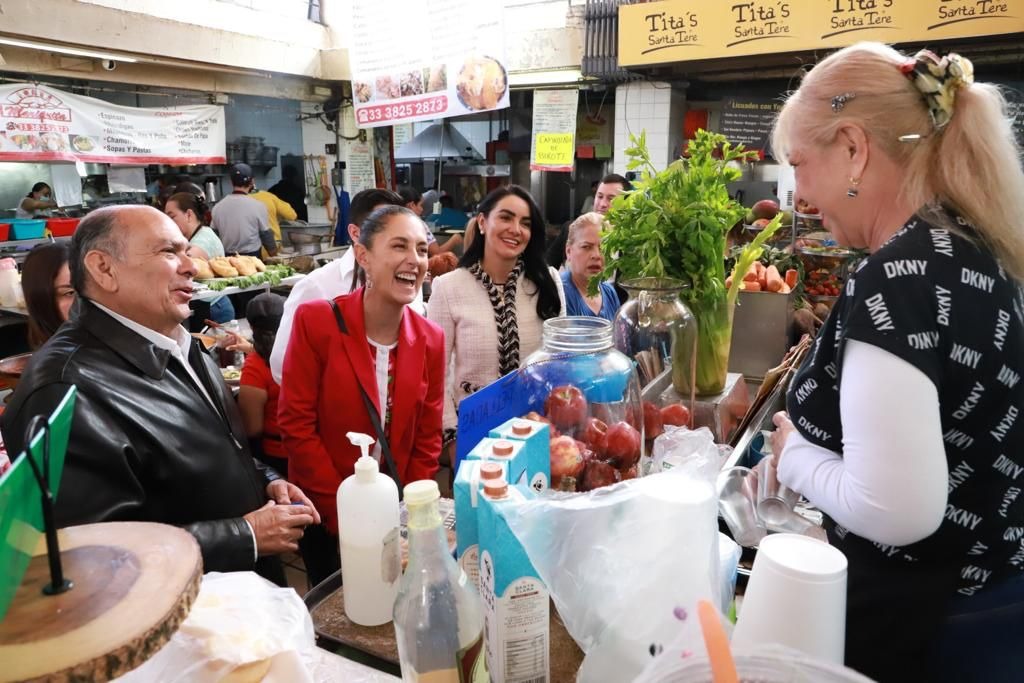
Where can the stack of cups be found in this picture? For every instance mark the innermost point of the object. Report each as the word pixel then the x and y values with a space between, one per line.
pixel 796 596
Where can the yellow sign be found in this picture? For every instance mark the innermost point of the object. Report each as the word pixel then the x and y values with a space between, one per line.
pixel 687 30
pixel 555 149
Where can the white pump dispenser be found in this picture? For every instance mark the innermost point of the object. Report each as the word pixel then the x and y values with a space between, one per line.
pixel 368 521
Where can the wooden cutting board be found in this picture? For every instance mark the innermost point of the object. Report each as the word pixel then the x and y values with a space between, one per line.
pixel 134 583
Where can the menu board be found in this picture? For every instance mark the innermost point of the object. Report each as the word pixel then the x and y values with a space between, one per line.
pixel 39 123
pixel 552 146
pixel 431 60
pixel 359 167
pixel 749 122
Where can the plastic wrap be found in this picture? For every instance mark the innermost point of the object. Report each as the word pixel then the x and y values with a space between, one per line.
pixel 623 563
pixel 680 446
pixel 240 625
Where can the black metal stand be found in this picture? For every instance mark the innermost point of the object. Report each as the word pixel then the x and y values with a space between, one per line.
pixel 58 584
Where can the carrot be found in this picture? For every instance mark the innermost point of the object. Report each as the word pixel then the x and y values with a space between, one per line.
pixel 759 267
pixel 750 275
pixel 786 289
pixel 728 282
pixel 773 280
pixel 751 286
pixel 791 277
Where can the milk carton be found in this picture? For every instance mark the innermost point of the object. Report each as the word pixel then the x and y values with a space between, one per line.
pixel 469 482
pixel 513 453
pixel 516 601
pixel 537 436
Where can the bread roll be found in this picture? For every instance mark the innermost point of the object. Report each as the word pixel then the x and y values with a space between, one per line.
pixel 242 265
pixel 222 267
pixel 203 271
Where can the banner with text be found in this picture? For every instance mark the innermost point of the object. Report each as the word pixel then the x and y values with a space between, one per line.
pixel 39 123
pixel 553 143
pixel 687 30
pixel 431 60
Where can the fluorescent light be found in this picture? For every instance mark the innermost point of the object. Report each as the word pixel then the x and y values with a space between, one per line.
pixel 65 50
pixel 518 79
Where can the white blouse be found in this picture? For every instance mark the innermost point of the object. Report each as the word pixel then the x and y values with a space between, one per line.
pixel 460 305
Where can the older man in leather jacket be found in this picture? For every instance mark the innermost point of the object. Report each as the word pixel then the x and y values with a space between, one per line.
pixel 156 435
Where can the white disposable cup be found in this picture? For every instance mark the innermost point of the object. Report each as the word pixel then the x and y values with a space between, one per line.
pixel 796 596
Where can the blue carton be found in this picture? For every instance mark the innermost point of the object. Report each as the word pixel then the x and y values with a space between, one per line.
pixel 516 600
pixel 537 436
pixel 468 492
pixel 503 450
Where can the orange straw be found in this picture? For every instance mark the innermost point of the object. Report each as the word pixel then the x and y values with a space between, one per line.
pixel 723 668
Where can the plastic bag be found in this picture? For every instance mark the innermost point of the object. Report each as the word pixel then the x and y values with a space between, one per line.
pixel 680 446
pixel 621 562
pixel 242 625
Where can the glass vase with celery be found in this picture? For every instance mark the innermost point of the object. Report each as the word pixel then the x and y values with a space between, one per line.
pixel 673 224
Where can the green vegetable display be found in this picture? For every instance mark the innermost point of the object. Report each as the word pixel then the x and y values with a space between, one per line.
pixel 674 224
pixel 271 276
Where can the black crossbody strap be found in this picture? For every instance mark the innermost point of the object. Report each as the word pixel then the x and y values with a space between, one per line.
pixel 371 409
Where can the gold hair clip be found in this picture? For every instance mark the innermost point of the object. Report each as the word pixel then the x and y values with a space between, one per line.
pixel 839 101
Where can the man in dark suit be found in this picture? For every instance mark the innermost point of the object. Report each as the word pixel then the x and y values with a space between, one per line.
pixel 156 435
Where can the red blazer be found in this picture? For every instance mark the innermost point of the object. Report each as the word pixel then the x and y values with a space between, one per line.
pixel 320 400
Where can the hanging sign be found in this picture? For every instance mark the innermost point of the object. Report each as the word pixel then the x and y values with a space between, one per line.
pixel 553 143
pixel 431 60
pixel 40 123
pixel 688 30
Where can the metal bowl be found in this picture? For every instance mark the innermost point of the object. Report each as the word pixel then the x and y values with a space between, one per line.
pixel 298 237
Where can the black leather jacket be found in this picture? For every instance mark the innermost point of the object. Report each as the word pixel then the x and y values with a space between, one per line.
pixel 145 444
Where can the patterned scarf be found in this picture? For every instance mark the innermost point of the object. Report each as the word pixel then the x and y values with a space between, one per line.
pixel 503 301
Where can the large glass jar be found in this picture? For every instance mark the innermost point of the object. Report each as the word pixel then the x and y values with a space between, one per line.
pixel 657 329
pixel 589 391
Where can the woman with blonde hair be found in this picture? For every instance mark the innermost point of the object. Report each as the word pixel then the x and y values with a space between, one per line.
pixel 583 261
pixel 903 425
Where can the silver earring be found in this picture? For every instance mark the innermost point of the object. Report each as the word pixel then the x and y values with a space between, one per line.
pixel 852 191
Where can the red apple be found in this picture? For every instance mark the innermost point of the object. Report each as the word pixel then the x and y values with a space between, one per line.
pixel 653 424
pixel 585 451
pixel 676 414
pixel 628 472
pixel 566 460
pixel 602 412
pixel 595 435
pixel 566 407
pixel 598 473
pixel 623 444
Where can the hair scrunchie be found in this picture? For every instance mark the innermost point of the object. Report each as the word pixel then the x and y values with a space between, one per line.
pixel 939 80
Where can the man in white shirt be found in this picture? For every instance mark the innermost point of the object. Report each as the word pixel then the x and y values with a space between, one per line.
pixel 336 278
pixel 156 435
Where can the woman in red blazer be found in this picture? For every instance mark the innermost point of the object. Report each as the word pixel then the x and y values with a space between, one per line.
pixel 389 351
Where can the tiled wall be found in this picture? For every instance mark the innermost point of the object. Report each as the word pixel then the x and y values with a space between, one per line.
pixel 654 108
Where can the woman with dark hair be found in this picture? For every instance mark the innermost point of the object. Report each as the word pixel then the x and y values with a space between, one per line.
pixel 258 392
pixel 46 281
pixel 38 202
pixel 187 209
pixel 492 308
pixel 363 362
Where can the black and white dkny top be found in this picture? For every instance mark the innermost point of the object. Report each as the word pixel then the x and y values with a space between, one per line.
pixel 940 302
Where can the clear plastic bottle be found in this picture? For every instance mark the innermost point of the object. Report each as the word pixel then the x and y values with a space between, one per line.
pixel 368 521
pixel 438 616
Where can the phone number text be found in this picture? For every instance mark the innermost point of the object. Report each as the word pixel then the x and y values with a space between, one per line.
pixel 394 112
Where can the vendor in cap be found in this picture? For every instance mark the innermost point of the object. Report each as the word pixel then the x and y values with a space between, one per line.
pixel 241 221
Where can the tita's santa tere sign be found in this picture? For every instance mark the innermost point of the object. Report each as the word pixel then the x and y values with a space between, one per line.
pixel 688 30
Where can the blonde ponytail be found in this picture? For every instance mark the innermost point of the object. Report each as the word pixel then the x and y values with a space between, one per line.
pixel 977 172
